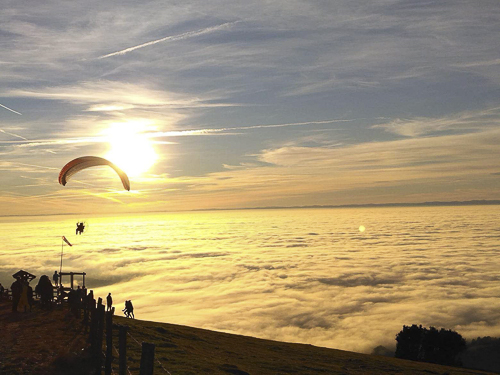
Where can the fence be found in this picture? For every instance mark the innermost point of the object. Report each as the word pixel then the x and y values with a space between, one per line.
pixel 95 320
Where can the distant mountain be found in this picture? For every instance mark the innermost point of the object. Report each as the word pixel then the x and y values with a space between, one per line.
pixel 368 205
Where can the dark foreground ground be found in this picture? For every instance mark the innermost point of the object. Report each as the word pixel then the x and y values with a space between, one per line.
pixel 53 343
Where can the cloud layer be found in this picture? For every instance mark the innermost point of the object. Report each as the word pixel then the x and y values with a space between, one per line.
pixel 295 275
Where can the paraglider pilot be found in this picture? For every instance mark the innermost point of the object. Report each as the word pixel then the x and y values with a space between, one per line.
pixel 80 227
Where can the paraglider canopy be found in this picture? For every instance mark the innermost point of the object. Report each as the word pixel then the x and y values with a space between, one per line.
pixel 85 162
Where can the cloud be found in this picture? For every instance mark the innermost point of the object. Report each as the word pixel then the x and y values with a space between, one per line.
pixel 112 95
pixel 479 63
pixel 471 121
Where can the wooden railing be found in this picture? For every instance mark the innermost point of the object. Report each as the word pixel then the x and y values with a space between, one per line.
pixel 98 323
pixel 96 319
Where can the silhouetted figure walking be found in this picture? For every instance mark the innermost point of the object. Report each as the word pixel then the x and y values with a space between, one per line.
pixel 16 289
pixel 55 277
pixel 129 309
pixel 109 302
pixel 80 227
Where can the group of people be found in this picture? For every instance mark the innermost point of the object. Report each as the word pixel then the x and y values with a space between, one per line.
pixel 128 310
pixel 22 296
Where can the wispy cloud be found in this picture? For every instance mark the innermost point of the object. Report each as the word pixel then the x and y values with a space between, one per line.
pixel 458 122
pixel 473 64
pixel 189 34
pixel 109 96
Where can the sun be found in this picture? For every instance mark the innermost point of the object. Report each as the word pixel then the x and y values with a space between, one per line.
pixel 130 148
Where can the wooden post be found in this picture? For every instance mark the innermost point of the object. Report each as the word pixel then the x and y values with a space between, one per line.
pixel 93 323
pixel 100 333
pixel 109 341
pixel 71 276
pixel 147 359
pixel 85 306
pixel 122 350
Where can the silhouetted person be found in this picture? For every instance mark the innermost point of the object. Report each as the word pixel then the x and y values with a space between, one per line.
pixel 61 294
pixel 55 277
pixel 109 302
pixel 90 300
pixel 73 301
pixel 79 297
pixel 30 296
pixel 2 291
pixel 80 227
pixel 129 309
pixel 45 290
pixel 16 289
pixel 23 300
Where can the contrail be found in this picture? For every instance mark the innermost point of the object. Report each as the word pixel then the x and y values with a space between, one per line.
pixel 12 134
pixel 189 34
pixel 173 133
pixel 33 165
pixel 9 109
pixel 208 131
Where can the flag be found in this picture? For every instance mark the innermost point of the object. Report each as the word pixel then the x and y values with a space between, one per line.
pixel 65 240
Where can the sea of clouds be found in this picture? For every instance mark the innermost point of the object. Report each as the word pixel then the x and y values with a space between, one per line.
pixel 305 275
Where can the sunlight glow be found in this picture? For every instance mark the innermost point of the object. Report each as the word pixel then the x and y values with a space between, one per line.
pixel 362 228
pixel 130 148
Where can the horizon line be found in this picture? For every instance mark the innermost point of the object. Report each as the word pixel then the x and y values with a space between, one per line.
pixel 474 202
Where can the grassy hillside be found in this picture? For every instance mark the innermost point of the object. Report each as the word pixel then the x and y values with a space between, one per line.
pixel 53 342
pixel 186 350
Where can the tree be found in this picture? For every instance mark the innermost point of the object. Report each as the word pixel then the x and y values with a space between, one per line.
pixel 418 343
pixel 409 342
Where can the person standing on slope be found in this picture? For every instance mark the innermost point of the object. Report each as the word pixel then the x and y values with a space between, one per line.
pixel 109 302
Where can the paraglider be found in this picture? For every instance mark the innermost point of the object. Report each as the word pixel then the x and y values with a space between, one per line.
pixel 85 162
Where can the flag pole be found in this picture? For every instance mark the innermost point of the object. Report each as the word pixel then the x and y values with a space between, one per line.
pixel 62 246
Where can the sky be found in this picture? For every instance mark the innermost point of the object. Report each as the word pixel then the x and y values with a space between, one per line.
pixel 228 104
